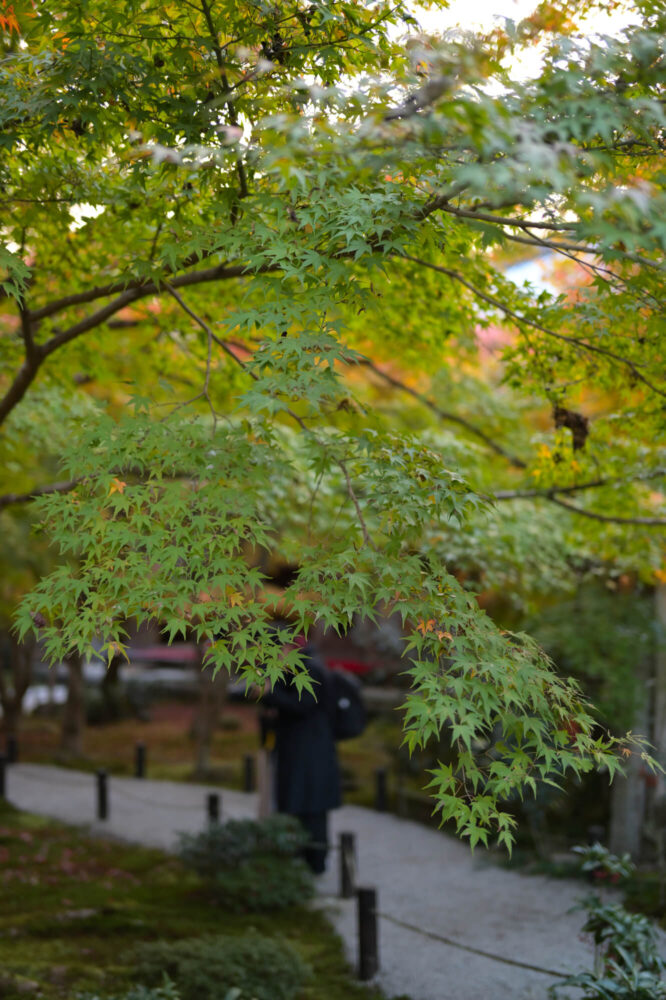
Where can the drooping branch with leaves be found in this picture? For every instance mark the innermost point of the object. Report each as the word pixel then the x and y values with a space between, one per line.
pixel 235 234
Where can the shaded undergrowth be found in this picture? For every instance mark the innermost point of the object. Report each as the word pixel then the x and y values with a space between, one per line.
pixel 74 909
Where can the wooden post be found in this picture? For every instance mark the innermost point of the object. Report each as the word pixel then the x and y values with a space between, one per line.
pixel 12 750
pixel 102 795
pixel 381 793
pixel 213 807
pixel 347 865
pixel 368 943
pixel 400 796
pixel 140 760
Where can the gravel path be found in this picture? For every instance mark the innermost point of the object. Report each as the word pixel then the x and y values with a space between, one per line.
pixel 425 880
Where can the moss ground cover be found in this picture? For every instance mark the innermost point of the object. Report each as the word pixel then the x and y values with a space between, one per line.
pixel 75 908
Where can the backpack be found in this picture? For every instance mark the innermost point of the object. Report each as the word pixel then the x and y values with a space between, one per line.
pixel 349 719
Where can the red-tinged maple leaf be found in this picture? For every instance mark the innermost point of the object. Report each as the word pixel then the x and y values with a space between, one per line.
pixel 117 486
pixel 8 19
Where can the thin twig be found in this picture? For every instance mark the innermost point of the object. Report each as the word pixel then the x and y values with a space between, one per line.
pixel 608 518
pixel 529 224
pixel 579 345
pixel 445 414
pixel 233 117
pixel 205 393
pixel 354 500
pixel 591 484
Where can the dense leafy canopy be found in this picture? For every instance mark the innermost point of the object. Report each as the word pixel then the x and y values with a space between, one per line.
pixel 232 230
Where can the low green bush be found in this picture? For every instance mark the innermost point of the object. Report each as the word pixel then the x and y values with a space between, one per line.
pixel 627 963
pixel 167 991
pixel 251 865
pixel 263 883
pixel 224 845
pixel 598 862
pixel 212 968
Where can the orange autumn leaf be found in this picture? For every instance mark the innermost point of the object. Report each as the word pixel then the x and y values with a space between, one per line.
pixel 117 486
pixel 9 22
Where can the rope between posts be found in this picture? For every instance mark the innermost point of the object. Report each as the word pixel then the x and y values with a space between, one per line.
pixel 117 788
pixel 467 947
pixel 44 780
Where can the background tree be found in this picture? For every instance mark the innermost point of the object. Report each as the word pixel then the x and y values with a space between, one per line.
pixel 274 204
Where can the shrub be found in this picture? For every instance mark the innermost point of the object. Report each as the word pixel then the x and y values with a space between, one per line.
pixel 251 865
pixel 598 862
pixel 262 883
pixel 228 844
pixel 627 963
pixel 167 991
pixel 618 984
pixel 210 968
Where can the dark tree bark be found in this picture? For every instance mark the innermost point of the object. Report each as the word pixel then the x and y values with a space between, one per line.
pixel 110 688
pixel 638 800
pixel 628 791
pixel 15 679
pixel 73 720
pixel 212 694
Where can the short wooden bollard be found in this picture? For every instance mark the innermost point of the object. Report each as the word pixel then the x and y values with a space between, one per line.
pixel 140 760
pixel 12 750
pixel 249 769
pixel 102 795
pixel 368 940
pixel 3 776
pixel 213 807
pixel 381 789
pixel 347 865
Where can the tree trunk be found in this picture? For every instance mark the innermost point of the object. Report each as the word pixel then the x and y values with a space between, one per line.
pixel 212 692
pixel 628 791
pixel 110 689
pixel 73 720
pixel 638 799
pixel 659 727
pixel 15 679
pixel 656 808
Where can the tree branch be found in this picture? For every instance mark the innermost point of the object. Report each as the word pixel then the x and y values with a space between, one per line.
pixel 219 58
pixel 39 491
pixel 591 484
pixel 608 518
pixel 443 205
pixel 136 290
pixel 26 333
pixel 354 499
pixel 446 415
pixel 579 345
pixel 528 224
pixel 149 286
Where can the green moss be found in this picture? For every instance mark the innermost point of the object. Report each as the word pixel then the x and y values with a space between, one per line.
pixel 75 908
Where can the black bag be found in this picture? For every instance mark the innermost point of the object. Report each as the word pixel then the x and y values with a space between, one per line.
pixel 350 718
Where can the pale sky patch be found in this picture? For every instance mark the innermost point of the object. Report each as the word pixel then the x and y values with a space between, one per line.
pixel 484 15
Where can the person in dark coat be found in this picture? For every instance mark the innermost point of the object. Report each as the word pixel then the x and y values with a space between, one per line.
pixel 307 778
